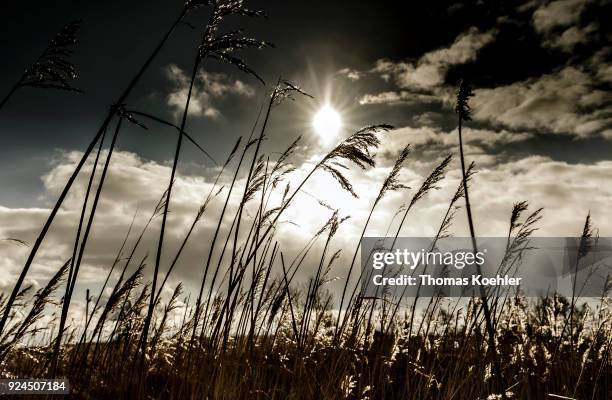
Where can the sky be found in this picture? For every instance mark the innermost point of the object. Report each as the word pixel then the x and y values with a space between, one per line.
pixel 541 129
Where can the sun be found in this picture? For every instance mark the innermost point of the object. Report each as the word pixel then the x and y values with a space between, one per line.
pixel 327 122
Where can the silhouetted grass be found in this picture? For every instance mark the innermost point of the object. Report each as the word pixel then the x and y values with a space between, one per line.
pixel 257 332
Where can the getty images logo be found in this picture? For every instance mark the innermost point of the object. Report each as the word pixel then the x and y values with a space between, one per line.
pixel 412 259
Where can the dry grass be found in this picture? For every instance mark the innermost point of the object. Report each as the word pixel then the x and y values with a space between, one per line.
pixel 254 331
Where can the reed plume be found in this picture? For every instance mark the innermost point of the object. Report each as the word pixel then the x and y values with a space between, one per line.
pixel 110 115
pixel 53 69
pixel 390 184
pixel 463 111
pixel 215 46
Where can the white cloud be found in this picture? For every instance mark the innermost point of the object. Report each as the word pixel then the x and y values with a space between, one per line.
pixel 402 97
pixel 430 70
pixel 567 191
pixel 422 81
pixel 427 136
pixel 560 13
pixel 571 37
pixel 605 73
pixel 351 74
pixel 565 101
pixel 558 23
pixel 209 87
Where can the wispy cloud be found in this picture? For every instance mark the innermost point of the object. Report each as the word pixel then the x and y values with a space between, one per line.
pixel 209 88
pixel 566 101
pixel 430 70
pixel 423 80
pixel 397 97
pixel 559 24
pixel 430 138
pixel 560 13
pixel 351 74
pixel 571 37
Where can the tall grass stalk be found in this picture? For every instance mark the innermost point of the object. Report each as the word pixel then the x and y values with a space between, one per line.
pixel 283 90
pixel 75 268
pixel 249 143
pixel 199 215
pixel 443 231
pixel 355 149
pixel 90 316
pixel 120 100
pixel 463 111
pixel 216 46
pixel 430 183
pixel 390 184
pixel 213 243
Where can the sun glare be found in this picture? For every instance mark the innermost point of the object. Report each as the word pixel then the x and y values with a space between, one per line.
pixel 327 122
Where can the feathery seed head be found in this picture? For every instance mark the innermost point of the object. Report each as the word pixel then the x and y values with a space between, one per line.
pixel 222 47
pixel 356 149
pixel 392 183
pixel 462 108
pixel 53 70
pixel 285 91
pixel 432 180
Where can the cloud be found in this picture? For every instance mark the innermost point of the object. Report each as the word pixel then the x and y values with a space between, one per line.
pixel 209 88
pixel 430 70
pixel 568 191
pixel 423 80
pixel 560 13
pixel 560 24
pixel 351 74
pixel 605 73
pixel 566 101
pixel 570 100
pixel 571 37
pixel 399 97
pixel 133 186
pixel 427 136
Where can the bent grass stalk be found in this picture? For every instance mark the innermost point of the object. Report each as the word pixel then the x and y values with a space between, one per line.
pixel 282 334
pixel 120 100
pixel 390 184
pixel 213 46
pixel 70 285
pixel 464 114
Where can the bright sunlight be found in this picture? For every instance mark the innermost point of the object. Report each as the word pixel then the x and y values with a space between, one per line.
pixel 327 122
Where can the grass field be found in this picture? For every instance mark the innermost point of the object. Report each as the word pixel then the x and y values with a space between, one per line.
pixel 254 331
